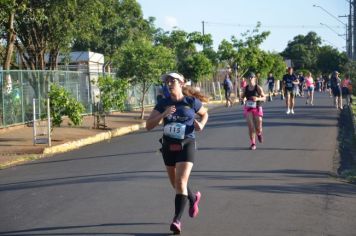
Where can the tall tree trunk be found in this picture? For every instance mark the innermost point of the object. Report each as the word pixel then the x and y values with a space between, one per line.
pixel 11 36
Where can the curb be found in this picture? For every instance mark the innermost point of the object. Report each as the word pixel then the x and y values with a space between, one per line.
pixel 65 147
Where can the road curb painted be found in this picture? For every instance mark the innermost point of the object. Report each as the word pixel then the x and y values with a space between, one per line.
pixel 65 147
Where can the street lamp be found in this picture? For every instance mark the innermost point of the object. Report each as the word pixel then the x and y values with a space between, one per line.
pixel 330 14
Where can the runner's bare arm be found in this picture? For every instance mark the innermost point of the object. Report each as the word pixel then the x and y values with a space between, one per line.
pixel 203 113
pixel 262 96
pixel 155 117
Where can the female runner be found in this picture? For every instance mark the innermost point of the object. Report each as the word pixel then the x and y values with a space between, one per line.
pixel 253 110
pixel 178 142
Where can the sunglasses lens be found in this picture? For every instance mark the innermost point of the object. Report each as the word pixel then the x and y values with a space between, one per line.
pixel 171 81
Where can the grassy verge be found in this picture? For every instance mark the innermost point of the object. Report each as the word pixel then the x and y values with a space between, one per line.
pixel 350 175
pixel 354 105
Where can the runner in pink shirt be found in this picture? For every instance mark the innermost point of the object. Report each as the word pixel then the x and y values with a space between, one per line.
pixel 309 82
pixel 346 91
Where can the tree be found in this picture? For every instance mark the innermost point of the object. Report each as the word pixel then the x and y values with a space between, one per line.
pixel 9 8
pixel 278 67
pixel 121 22
pixel 303 51
pixel 11 35
pixel 49 27
pixel 112 93
pixel 330 59
pixel 244 51
pixel 227 52
pixel 143 64
pixel 196 66
pixel 192 64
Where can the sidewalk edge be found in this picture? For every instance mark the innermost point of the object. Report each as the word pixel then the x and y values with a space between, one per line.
pixel 69 146
pixel 65 147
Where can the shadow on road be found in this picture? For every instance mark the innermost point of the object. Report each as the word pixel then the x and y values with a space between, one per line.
pixel 82 179
pixel 60 229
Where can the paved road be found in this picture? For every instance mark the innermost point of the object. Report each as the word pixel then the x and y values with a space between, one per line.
pixel 120 187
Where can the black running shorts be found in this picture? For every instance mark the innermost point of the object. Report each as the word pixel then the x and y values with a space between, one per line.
pixel 290 92
pixel 185 153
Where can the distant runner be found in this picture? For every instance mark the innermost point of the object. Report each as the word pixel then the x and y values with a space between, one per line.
pixel 335 83
pixel 253 109
pixel 290 81
pixel 270 82
pixel 309 82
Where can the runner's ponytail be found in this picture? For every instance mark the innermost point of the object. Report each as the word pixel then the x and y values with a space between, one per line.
pixel 192 92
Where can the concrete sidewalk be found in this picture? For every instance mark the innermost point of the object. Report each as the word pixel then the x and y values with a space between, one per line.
pixel 16 143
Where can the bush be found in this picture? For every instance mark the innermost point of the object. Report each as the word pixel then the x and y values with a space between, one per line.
pixel 112 93
pixel 63 104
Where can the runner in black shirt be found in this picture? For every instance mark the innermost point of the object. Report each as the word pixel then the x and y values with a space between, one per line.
pixel 270 82
pixel 289 82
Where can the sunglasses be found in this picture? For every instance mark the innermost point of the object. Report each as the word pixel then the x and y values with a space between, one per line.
pixel 171 81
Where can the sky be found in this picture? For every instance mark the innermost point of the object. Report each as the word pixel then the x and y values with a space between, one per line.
pixel 285 19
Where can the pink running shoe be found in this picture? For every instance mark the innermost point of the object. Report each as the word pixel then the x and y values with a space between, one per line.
pixel 260 138
pixel 253 147
pixel 176 227
pixel 194 210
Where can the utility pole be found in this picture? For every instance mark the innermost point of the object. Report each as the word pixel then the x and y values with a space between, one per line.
pixel 349 35
pixel 353 29
pixel 203 27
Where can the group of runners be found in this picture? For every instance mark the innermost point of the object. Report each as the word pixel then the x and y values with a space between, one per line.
pixel 181 105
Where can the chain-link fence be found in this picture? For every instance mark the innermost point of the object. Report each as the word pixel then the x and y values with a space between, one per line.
pixel 19 87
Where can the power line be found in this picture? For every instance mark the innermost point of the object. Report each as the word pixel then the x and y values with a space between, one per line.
pixel 327 12
pixel 340 35
pixel 209 23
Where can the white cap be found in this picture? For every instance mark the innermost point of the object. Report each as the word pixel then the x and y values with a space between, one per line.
pixel 173 75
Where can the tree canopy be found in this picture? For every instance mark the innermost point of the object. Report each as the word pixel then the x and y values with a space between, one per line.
pixel 43 29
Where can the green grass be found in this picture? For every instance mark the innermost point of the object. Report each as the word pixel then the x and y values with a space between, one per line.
pixel 350 175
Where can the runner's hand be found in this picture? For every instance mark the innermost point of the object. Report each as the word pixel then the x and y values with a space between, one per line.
pixel 169 111
pixel 198 126
pixel 253 98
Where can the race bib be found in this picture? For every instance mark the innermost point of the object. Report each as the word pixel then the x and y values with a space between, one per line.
pixel 289 85
pixel 174 130
pixel 251 104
